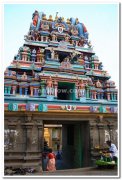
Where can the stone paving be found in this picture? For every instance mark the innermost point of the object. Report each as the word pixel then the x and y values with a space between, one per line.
pixel 89 171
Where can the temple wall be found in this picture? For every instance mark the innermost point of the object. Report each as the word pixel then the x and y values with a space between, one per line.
pixel 24 138
pixel 101 130
pixel 23 141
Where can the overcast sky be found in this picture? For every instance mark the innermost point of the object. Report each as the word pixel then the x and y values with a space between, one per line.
pixel 101 21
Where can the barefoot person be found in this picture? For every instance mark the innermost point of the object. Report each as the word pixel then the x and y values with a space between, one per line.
pixel 51 161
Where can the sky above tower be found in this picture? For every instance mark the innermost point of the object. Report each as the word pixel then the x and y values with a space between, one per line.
pixel 101 21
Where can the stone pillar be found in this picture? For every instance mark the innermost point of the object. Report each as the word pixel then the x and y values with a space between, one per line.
pixel 12 138
pixel 111 130
pixel 93 141
pixel 43 88
pixel 108 96
pixel 101 134
pixel 55 88
pixel 14 90
pixel 42 38
pixel 20 90
pixel 5 91
pixel 40 135
pixel 9 89
pixel 40 144
pixel 112 97
pixel 31 91
pixel 98 95
pixel 95 93
pixel 34 91
pixel 46 38
pixel 76 90
pixel 87 93
pixel 101 95
pixel 26 91
pixel 91 135
pixel 76 43
pixel 20 142
pixel 22 57
pixel 115 96
pixel 35 139
pixel 29 137
pixel 92 95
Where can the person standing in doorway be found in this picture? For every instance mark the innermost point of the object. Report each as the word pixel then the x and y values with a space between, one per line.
pixel 51 163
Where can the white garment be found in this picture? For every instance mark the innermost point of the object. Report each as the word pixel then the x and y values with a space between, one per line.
pixel 114 150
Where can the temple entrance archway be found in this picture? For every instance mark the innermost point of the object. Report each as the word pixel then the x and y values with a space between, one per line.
pixel 73 138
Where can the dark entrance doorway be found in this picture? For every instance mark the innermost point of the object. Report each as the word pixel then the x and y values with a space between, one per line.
pixel 66 91
pixel 74 145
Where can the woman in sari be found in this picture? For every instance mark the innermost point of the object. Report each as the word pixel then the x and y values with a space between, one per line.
pixel 51 161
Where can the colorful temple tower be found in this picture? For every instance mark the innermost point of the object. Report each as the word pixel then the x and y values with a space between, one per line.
pixel 56 78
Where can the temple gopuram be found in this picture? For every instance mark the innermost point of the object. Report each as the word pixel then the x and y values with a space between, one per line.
pixel 56 89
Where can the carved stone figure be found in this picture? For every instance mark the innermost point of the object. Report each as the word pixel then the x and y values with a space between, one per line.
pixel 50 18
pixel 56 56
pixel 67 38
pixel 35 17
pixel 82 31
pixel 66 63
pixel 44 26
pixel 81 90
pixel 44 17
pixel 49 86
pixel 74 31
pixel 89 44
pixel 24 76
pixel 52 54
pixel 40 55
pixel 54 38
pixel 68 21
pixel 98 84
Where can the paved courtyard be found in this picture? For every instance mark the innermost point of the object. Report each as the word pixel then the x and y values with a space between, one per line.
pixel 89 171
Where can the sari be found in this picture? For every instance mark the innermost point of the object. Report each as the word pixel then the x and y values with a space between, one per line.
pixel 51 162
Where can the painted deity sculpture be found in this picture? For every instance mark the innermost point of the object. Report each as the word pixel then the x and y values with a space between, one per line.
pixel 36 20
pixel 98 84
pixel 74 31
pixel 40 55
pixel 81 60
pixel 49 86
pixel 68 21
pixel 89 44
pixel 67 38
pixel 24 76
pixel 25 53
pixel 56 56
pixel 81 89
pixel 33 55
pixel 54 38
pixel 50 18
pixel 82 31
pixel 52 54
pixel 44 26
pixel 66 63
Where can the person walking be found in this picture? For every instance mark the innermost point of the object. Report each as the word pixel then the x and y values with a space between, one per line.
pixel 51 163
